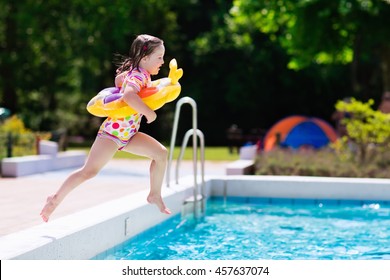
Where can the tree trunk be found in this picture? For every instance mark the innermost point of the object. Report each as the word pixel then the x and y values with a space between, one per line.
pixel 356 87
pixel 385 67
pixel 9 97
pixel 362 154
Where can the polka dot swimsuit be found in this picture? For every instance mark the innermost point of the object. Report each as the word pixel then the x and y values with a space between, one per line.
pixel 121 130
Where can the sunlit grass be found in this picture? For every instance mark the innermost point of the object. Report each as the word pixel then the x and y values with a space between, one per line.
pixel 211 153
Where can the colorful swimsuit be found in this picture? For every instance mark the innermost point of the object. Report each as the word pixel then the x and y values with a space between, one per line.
pixel 121 130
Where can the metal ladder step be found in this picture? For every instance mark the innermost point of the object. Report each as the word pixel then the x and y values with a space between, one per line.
pixel 194 206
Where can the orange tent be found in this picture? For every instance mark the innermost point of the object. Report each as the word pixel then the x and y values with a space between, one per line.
pixel 295 131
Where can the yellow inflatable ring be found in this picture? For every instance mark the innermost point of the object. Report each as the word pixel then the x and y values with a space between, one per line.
pixel 109 101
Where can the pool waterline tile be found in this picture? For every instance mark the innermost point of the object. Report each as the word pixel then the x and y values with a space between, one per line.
pixel 298 201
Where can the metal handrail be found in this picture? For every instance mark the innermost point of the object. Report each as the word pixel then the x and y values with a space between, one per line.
pixel 179 104
pixel 184 145
pixel 194 132
pixel 202 161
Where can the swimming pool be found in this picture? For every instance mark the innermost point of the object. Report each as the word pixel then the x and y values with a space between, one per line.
pixel 84 235
pixel 281 229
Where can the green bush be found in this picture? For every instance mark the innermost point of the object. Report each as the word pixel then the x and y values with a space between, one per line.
pixel 3 145
pixel 23 140
pixel 368 131
pixel 324 162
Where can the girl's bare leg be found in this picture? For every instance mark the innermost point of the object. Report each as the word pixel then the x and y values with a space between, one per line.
pixel 145 145
pixel 101 152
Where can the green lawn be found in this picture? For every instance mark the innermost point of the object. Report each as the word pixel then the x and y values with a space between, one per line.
pixel 211 153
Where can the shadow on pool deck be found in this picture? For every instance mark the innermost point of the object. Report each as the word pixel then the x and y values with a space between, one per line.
pixel 21 199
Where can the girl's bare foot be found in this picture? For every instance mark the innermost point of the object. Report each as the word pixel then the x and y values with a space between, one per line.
pixel 49 207
pixel 154 199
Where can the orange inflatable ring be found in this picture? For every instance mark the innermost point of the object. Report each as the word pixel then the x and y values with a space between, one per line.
pixel 109 101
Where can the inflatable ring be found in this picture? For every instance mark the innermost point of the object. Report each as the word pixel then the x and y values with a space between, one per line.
pixel 109 101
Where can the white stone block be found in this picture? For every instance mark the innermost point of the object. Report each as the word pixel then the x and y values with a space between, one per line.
pixel 248 152
pixel 240 167
pixel 26 165
pixel 69 159
pixel 48 148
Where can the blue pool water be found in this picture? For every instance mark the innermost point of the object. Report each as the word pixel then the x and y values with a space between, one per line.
pixel 308 230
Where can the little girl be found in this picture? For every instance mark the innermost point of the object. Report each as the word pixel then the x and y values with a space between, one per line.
pixel 145 59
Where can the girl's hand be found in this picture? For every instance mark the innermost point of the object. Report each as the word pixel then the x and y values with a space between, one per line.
pixel 120 78
pixel 131 97
pixel 151 117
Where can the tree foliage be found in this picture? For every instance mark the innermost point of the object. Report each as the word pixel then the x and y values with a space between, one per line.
pixel 325 32
pixel 245 62
pixel 367 129
pixel 54 57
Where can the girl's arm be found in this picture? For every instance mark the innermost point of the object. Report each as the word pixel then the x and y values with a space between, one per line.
pixel 130 96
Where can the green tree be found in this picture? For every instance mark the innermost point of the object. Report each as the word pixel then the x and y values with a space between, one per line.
pixel 326 32
pixel 240 71
pixel 55 57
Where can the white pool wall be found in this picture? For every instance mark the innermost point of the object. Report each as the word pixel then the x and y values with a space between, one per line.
pixel 303 187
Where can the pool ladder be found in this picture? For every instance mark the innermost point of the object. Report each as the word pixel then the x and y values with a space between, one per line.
pixel 198 198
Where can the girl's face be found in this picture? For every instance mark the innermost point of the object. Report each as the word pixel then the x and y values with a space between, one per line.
pixel 153 61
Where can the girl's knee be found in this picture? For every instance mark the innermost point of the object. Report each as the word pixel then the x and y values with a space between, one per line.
pixel 161 154
pixel 88 173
